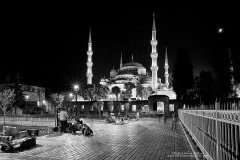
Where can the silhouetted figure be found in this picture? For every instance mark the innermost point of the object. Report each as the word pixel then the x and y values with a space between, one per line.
pixel 63 119
pixel 174 121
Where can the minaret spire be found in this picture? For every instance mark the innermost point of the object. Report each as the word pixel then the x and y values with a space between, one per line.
pixel 154 56
pixel 89 60
pixel 166 75
pixel 121 61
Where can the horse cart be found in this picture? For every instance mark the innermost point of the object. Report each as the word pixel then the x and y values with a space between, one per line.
pixel 12 139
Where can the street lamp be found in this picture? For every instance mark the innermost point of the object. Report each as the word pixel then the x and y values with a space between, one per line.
pixel 71 96
pixel 76 89
pixel 27 98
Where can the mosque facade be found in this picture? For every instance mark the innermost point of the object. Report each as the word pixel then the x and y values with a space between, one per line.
pixel 135 73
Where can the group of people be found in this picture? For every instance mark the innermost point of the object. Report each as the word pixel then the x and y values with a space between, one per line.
pixel 72 127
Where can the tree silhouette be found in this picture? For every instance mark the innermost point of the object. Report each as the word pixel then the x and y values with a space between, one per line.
pixel 206 87
pixel 116 90
pixel 6 100
pixel 183 79
pixel 128 86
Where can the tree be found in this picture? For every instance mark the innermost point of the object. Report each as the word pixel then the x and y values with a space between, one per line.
pixel 129 86
pixel 19 100
pixel 139 88
pixel 146 92
pixel 116 90
pixel 183 79
pixel 102 91
pixel 56 99
pixel 6 101
pixel 206 87
pixel 89 92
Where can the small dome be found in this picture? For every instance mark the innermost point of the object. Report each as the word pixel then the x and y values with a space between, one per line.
pixel 132 64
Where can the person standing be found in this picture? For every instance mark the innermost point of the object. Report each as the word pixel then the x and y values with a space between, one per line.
pixel 63 119
pixel 174 121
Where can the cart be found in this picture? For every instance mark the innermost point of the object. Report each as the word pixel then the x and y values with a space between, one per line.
pixel 18 140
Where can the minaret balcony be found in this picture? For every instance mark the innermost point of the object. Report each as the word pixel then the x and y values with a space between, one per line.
pixel 89 53
pixel 154 56
pixel 89 75
pixel 89 64
pixel 154 68
pixel 154 42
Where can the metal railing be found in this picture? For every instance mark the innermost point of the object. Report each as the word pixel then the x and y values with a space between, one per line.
pixel 216 132
pixel 29 121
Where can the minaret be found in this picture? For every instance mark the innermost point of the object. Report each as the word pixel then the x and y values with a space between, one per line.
pixel 121 61
pixel 89 60
pixel 154 56
pixel 166 75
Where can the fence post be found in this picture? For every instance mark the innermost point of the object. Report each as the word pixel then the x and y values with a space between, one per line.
pixel 217 136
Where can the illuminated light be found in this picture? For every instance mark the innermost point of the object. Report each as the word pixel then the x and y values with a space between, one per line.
pixel 76 87
pixel 70 95
pixel 27 97
pixel 220 30
pixel 44 102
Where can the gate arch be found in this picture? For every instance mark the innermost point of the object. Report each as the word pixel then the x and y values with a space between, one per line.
pixel 153 100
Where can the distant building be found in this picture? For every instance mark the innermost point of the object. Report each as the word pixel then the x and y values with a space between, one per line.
pixel 35 93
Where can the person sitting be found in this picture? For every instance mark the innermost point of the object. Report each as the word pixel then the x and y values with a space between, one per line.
pixel 87 131
pixel 76 125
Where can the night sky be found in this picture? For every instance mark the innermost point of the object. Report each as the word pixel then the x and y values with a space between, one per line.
pixel 48 44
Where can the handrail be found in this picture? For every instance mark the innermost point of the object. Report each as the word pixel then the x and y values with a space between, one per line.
pixel 216 132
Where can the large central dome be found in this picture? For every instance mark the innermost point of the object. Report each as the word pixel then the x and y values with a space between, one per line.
pixel 132 64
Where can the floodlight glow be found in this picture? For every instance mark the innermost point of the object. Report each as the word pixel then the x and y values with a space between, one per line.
pixel 220 30
pixel 76 87
pixel 70 95
pixel 27 97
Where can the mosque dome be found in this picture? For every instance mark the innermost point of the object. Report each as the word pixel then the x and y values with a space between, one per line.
pixel 129 72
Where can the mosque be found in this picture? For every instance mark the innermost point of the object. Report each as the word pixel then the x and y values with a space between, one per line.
pixel 135 73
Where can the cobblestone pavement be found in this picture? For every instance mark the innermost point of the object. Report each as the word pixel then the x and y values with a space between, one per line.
pixel 146 138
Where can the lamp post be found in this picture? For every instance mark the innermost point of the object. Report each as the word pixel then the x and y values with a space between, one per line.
pixel 76 89
pixel 71 96
pixel 27 98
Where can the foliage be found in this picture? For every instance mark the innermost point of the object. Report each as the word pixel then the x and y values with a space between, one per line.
pixel 139 88
pixel 146 92
pixel 116 90
pixel 95 92
pixel 56 99
pixel 89 92
pixel 183 79
pixel 128 86
pixel 206 87
pixel 102 91
pixel 6 101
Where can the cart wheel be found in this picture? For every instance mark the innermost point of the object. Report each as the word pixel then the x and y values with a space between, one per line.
pixel 10 149
pixel 3 148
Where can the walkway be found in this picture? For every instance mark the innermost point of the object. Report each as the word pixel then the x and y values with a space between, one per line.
pixel 142 139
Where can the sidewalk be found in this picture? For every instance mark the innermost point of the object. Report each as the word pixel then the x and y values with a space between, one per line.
pixel 143 139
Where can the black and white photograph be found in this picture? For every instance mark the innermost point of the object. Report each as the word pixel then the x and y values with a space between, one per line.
pixel 120 81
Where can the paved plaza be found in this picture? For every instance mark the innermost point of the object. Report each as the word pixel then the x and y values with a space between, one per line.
pixel 147 138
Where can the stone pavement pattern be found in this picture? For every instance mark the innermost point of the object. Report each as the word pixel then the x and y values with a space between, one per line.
pixel 142 139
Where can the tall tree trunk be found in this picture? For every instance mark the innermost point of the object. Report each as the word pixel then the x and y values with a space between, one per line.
pixel 4 114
